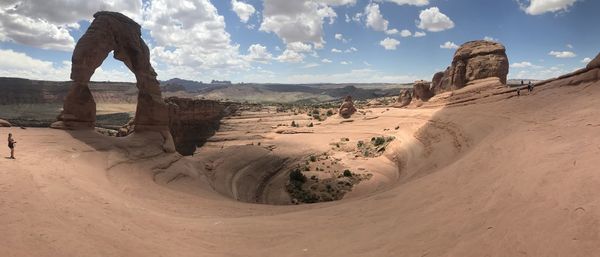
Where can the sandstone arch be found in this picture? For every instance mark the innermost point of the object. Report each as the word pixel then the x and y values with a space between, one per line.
pixel 112 31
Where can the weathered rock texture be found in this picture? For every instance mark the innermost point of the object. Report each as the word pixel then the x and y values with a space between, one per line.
pixel 111 31
pixel 347 108
pixel 4 123
pixel 594 63
pixel 192 122
pixel 421 91
pixel 472 61
pixel 405 98
pixel 591 73
pixel 436 82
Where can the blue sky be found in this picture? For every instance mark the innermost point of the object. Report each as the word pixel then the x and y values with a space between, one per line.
pixel 305 41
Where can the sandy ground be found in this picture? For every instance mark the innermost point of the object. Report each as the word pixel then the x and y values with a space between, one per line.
pixel 496 176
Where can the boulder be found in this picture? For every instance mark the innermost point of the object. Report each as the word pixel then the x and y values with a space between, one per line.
pixel 472 61
pixel 4 123
pixel 405 98
pixel 347 108
pixel 421 91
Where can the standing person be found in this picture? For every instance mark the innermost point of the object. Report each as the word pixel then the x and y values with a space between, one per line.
pixel 11 145
pixel 518 91
pixel 529 87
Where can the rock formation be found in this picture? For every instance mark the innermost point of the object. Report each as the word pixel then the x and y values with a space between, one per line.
pixel 436 82
pixel 594 63
pixel 192 122
pixel 4 123
pixel 111 31
pixel 421 91
pixel 347 108
pixel 405 98
pixel 472 61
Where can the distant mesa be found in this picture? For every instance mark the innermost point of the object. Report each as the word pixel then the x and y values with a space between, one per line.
pixel 112 31
pixel 347 108
pixel 473 60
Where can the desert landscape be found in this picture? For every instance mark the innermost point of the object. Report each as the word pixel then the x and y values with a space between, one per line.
pixel 466 163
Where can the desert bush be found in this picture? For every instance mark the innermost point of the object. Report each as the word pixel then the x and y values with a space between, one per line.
pixel 347 173
pixel 313 158
pixel 297 176
pixel 329 112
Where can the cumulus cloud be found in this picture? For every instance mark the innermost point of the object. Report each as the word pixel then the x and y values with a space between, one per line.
pixel 389 43
pixel 243 10
pixel 374 18
pixel 433 20
pixel 392 31
pixel 299 20
pixel 410 2
pixel 537 7
pixel 335 50
pixel 491 39
pixel 258 53
pixel 17 64
pixel 290 56
pixel 340 37
pixel 420 34
pixel 562 54
pixel 326 61
pixel 586 60
pixel 353 76
pixel 405 33
pixel 449 45
pixel 524 64
pixel 191 37
pixel 46 24
pixel 351 50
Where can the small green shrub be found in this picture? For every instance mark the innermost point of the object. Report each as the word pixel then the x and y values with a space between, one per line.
pixel 313 158
pixel 297 176
pixel 347 173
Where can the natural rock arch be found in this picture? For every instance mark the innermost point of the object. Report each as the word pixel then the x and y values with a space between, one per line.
pixel 112 31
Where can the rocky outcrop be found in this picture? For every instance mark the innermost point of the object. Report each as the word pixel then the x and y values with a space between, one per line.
pixel 594 63
pixel 405 98
pixel 4 123
pixel 347 108
pixel 436 82
pixel 472 61
pixel 192 122
pixel 112 31
pixel 421 91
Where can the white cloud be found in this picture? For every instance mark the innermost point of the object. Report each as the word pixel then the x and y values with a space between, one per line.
pixel 191 38
pixel 243 10
pixel 410 2
pixel 46 24
pixel 345 62
pixel 16 64
pixel 374 18
pixel 569 46
pixel 353 76
pixel 290 56
pixel 420 34
pixel 326 61
pixel 335 50
pixel 391 31
pixel 537 7
pixel 449 45
pixel 298 20
pixel 357 17
pixel 586 60
pixel 299 47
pixel 310 65
pixel 258 53
pixel 562 54
pixel 491 39
pixel 347 18
pixel 433 20
pixel 351 50
pixel 340 37
pixel 524 64
pixel 405 33
pixel 389 43
pixel 337 2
